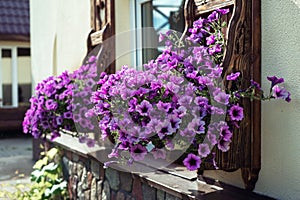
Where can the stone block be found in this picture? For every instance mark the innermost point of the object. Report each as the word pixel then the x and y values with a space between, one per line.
pixel 125 181
pixel 95 169
pixel 94 189
pixel 171 197
pixel 106 191
pixel 99 189
pixel 160 195
pixel 149 193
pixel 113 178
pixel 87 195
pixel 120 196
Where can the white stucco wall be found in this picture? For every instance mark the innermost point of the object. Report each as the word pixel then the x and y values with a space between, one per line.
pixel 59 30
pixel 280 174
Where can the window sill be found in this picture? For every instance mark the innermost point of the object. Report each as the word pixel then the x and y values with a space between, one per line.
pixel 174 179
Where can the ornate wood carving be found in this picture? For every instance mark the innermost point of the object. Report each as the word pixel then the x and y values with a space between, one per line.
pixel 204 6
pixel 243 53
pixel 103 28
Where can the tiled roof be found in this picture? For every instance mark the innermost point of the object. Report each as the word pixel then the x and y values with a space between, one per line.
pixel 14 17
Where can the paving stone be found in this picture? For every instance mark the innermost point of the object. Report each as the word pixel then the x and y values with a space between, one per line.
pixel 113 178
pixel 160 195
pixel 126 181
pixel 149 193
pixel 106 191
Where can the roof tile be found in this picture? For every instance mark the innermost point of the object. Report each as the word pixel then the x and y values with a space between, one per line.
pixel 14 17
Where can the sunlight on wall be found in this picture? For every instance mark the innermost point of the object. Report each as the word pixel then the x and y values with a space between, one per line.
pixel 280 175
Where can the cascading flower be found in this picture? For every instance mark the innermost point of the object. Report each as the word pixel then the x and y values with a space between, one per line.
pixel 58 104
pixel 178 95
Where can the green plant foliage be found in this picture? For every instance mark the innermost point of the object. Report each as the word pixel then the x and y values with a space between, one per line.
pixel 47 180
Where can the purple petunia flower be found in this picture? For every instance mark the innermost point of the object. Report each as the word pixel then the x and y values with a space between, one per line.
pixel 215 49
pixel 281 93
pixel 138 152
pixel 210 40
pixel 221 97
pixel 225 133
pixel 90 142
pixel 192 162
pixel 274 80
pixel 223 11
pixel 223 145
pixel 54 135
pixel 236 113
pixel 68 115
pixel 213 16
pixel 255 84
pixel 203 150
pixel 144 108
pixel 164 129
pixel 233 76
pixel 82 138
pixel 163 106
pixel 51 105
pixel 185 100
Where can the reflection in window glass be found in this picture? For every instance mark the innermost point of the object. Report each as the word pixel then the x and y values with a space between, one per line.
pixel 162 15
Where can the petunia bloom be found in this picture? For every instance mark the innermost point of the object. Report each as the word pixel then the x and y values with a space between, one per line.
pixel 233 76
pixel 203 150
pixel 281 93
pixel 192 162
pixel 274 80
pixel 236 113
pixel 138 152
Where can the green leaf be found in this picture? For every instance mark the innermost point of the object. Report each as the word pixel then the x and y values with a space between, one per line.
pixel 50 167
pixel 51 153
pixel 36 175
pixel 40 163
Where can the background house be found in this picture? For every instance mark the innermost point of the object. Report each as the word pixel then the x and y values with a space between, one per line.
pixel 59 31
pixel 15 63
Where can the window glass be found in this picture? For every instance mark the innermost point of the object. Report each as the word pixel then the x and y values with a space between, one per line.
pixel 161 15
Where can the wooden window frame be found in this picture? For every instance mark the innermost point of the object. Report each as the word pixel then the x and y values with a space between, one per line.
pixel 243 53
pixel 101 34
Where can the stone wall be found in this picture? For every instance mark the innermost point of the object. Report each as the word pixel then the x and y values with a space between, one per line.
pixel 89 180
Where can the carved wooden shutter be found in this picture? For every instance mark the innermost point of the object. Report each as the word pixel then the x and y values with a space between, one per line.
pixel 243 53
pixel 100 37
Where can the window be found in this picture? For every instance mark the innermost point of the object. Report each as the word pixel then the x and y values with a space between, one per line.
pixel 15 76
pixel 149 18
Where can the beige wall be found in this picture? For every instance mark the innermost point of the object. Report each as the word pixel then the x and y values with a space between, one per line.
pixel 59 30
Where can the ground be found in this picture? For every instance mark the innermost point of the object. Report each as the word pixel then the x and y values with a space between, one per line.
pixel 15 163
